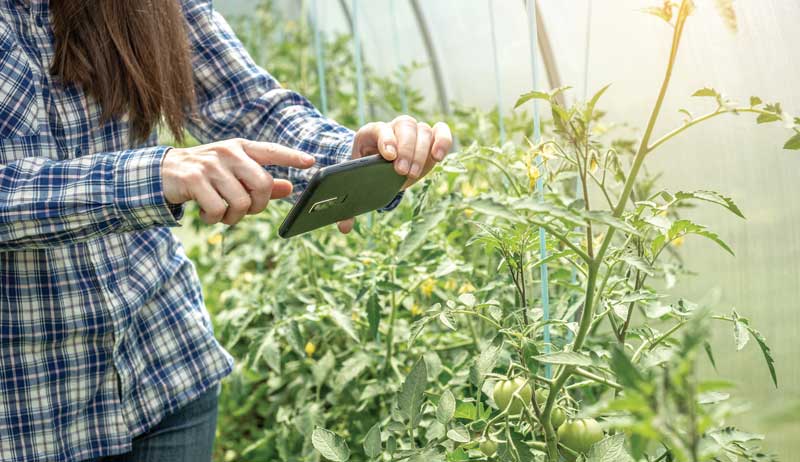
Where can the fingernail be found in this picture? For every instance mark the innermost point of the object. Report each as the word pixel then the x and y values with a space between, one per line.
pixel 309 159
pixel 439 154
pixel 415 169
pixel 390 149
pixel 402 166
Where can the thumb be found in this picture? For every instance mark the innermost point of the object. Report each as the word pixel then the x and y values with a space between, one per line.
pixel 345 226
pixel 281 189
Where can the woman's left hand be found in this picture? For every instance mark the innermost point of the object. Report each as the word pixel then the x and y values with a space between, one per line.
pixel 414 147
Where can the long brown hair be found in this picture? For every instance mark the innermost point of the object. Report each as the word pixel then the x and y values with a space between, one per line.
pixel 132 56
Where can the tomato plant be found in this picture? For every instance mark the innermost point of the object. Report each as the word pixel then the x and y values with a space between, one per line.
pixel 420 336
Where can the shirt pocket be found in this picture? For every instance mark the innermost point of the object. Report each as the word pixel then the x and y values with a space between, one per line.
pixel 19 106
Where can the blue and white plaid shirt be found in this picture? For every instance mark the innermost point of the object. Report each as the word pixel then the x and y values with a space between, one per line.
pixel 103 330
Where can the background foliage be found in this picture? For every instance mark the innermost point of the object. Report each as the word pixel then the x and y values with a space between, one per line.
pixel 330 329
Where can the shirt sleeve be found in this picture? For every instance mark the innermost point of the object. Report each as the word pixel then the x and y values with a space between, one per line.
pixel 47 203
pixel 238 99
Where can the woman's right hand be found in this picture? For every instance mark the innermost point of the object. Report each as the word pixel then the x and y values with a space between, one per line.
pixel 227 179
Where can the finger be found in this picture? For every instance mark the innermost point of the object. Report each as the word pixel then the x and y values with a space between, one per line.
pixel 345 226
pixel 421 150
pixel 276 154
pixel 387 142
pixel 281 189
pixel 212 207
pixel 235 195
pixel 442 141
pixel 405 130
pixel 256 181
pixel 376 138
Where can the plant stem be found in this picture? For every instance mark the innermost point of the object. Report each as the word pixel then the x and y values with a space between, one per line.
pixel 587 315
pixel 390 333
pixel 656 341
pixel 643 146
pixel 703 118
pixel 589 375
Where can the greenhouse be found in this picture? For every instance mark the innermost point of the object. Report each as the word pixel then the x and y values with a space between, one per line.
pixel 399 230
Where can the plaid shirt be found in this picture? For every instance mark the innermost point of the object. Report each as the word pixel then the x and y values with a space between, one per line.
pixel 103 330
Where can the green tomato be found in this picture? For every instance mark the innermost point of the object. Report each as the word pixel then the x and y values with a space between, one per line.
pixel 558 416
pixel 579 435
pixel 488 447
pixel 504 390
pixel 541 396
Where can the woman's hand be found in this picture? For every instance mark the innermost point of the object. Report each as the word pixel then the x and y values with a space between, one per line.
pixel 414 147
pixel 227 179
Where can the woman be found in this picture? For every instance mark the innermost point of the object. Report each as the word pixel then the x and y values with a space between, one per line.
pixel 106 349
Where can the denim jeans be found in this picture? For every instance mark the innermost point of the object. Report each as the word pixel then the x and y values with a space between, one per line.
pixel 187 435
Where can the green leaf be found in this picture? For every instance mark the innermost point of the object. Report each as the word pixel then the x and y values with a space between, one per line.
pixel 466 411
pixel 492 208
pixel 509 450
pixel 420 229
pixel 350 369
pixel 372 442
pixel 373 316
pixel 345 322
pixel 706 92
pixel 765 350
pixel 755 101
pixel 626 372
pixel 684 227
pixel 639 263
pixel 467 299
pixel 609 449
pixel 710 354
pixel 712 197
pixel 569 358
pixel 525 97
pixel 323 367
pixel 412 392
pixel 793 143
pixel 459 434
pixel 593 102
pixel 270 351
pixel 665 12
pixel 330 445
pixel 446 408
pixel 485 363
pixel 740 333
pixel 767 118
pixel 294 338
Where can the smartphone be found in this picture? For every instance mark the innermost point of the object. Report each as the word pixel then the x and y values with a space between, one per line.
pixel 342 191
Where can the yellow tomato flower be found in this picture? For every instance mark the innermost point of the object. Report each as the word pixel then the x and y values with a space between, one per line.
pixel 450 284
pixel 593 165
pixel 599 128
pixel 310 349
pixel 468 213
pixel 416 310
pixel 467 190
pixel 427 287
pixel 367 261
pixel 466 288
pixel 678 241
pixel 215 239
pixel 533 171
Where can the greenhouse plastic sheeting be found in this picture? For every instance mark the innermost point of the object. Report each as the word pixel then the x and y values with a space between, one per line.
pixel 629 49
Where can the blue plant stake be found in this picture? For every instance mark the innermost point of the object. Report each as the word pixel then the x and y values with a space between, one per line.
pixel 537 136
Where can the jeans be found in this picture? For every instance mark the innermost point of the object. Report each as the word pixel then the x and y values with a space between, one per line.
pixel 187 435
